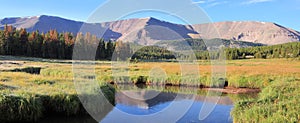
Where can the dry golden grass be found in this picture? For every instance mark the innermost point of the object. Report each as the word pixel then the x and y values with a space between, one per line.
pixel 240 73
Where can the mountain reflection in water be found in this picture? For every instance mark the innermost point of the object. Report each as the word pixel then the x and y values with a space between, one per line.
pixel 140 103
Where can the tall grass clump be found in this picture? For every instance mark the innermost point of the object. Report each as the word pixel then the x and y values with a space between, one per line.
pixel 24 107
pixel 109 92
pixel 65 73
pixel 141 80
pixel 69 104
pixel 248 81
pixel 62 104
pixel 20 108
pixel 278 102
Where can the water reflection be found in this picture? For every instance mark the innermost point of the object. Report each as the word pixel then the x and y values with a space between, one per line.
pixel 147 102
pixel 130 103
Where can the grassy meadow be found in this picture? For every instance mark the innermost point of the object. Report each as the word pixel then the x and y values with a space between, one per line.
pixel 29 97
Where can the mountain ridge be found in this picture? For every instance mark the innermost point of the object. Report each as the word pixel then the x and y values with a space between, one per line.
pixel 148 30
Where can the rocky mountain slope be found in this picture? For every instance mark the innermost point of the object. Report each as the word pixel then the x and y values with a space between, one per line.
pixel 151 30
pixel 256 32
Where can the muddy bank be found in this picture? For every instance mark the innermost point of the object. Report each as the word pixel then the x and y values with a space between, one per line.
pixel 232 90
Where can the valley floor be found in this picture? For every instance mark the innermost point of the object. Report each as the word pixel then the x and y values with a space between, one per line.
pixel 39 80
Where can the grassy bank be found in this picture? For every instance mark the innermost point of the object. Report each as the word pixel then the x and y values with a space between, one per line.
pixel 257 73
pixel 31 89
pixel 278 102
pixel 28 98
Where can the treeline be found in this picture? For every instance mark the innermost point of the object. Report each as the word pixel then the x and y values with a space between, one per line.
pixel 288 50
pixel 56 45
pixel 153 53
pixel 52 44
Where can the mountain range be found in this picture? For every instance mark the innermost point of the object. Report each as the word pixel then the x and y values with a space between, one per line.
pixel 151 30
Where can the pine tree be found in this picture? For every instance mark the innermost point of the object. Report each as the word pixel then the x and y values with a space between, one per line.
pixel 2 43
pixel 109 50
pixel 23 39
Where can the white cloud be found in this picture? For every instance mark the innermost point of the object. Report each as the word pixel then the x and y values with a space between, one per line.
pixel 210 3
pixel 216 3
pixel 203 1
pixel 256 1
pixel 199 2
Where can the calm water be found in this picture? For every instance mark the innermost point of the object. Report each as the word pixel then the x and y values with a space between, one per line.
pixel 171 107
pixel 153 106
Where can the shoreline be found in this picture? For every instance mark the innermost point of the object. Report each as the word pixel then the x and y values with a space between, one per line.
pixel 232 90
pixel 225 90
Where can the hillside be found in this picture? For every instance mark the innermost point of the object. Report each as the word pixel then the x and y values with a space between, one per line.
pixel 149 30
pixel 257 32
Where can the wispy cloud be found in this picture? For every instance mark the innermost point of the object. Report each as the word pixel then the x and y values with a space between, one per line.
pixel 256 1
pixel 199 2
pixel 210 3
pixel 216 3
pixel 203 1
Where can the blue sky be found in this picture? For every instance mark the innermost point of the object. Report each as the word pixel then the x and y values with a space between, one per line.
pixel 283 12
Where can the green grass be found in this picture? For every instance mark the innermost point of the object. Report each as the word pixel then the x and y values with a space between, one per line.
pixel 25 107
pixel 278 102
pixel 41 81
pixel 21 107
pixel 28 97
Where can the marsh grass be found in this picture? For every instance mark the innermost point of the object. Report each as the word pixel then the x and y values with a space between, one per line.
pixel 41 81
pixel 60 72
pixel 276 103
pixel 240 73
pixel 29 97
pixel 21 107
pixel 32 107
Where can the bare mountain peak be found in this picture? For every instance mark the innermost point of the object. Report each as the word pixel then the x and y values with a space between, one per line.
pixel 144 20
pixel 154 19
pixel 155 29
pixel 252 31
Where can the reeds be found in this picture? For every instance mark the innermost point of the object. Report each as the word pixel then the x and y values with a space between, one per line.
pixel 22 107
